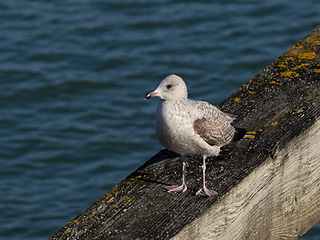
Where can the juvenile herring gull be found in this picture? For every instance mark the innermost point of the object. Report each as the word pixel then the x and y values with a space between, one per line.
pixel 190 127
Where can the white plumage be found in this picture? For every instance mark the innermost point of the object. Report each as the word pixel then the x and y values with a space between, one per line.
pixel 189 127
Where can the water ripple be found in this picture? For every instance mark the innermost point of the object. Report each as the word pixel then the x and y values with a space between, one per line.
pixel 73 75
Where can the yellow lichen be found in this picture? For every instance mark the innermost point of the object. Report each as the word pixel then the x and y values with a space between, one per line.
pixel 288 59
pixel 236 99
pixel 251 100
pixel 315 41
pixel 134 178
pixel 74 221
pixel 289 74
pixel 307 55
pixel 302 65
pixel 128 200
pixel 260 130
pixel 249 136
pixel 272 82
pixel 106 197
pixel 281 65
pixel 317 71
pixel 295 47
pixel 251 132
pixel 274 123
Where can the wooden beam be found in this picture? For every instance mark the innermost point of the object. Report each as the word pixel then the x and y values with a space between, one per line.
pixel 278 200
pixel 268 185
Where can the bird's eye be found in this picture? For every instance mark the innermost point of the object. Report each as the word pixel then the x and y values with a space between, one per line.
pixel 169 86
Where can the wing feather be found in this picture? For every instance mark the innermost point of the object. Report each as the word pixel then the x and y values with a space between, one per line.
pixel 214 126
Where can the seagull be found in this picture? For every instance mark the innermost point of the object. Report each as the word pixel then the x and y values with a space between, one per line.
pixel 190 127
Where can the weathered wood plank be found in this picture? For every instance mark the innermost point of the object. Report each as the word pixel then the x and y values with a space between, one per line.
pixel 278 200
pixel 268 185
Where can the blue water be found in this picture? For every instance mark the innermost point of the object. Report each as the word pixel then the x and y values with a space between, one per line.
pixel 73 75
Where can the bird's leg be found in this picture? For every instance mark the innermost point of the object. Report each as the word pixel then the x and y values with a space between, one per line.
pixel 183 187
pixel 204 191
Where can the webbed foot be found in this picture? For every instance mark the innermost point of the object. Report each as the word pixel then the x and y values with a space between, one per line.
pixel 176 188
pixel 205 192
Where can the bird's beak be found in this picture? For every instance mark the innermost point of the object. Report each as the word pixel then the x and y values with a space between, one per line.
pixel 150 94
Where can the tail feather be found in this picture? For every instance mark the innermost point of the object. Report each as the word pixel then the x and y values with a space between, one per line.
pixel 240 133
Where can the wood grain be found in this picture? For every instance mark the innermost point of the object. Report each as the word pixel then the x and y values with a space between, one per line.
pixel 278 200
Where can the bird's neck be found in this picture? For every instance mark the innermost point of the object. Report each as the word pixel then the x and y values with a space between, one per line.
pixel 180 101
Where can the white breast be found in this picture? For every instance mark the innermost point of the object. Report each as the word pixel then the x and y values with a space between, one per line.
pixel 174 129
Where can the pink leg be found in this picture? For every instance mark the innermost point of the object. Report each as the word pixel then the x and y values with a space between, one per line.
pixel 183 187
pixel 204 191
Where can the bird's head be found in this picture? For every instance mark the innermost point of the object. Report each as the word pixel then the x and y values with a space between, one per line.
pixel 171 88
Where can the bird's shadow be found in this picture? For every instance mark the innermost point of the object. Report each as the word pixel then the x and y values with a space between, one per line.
pixel 151 171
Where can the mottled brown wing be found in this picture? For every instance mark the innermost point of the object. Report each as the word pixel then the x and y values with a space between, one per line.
pixel 216 132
